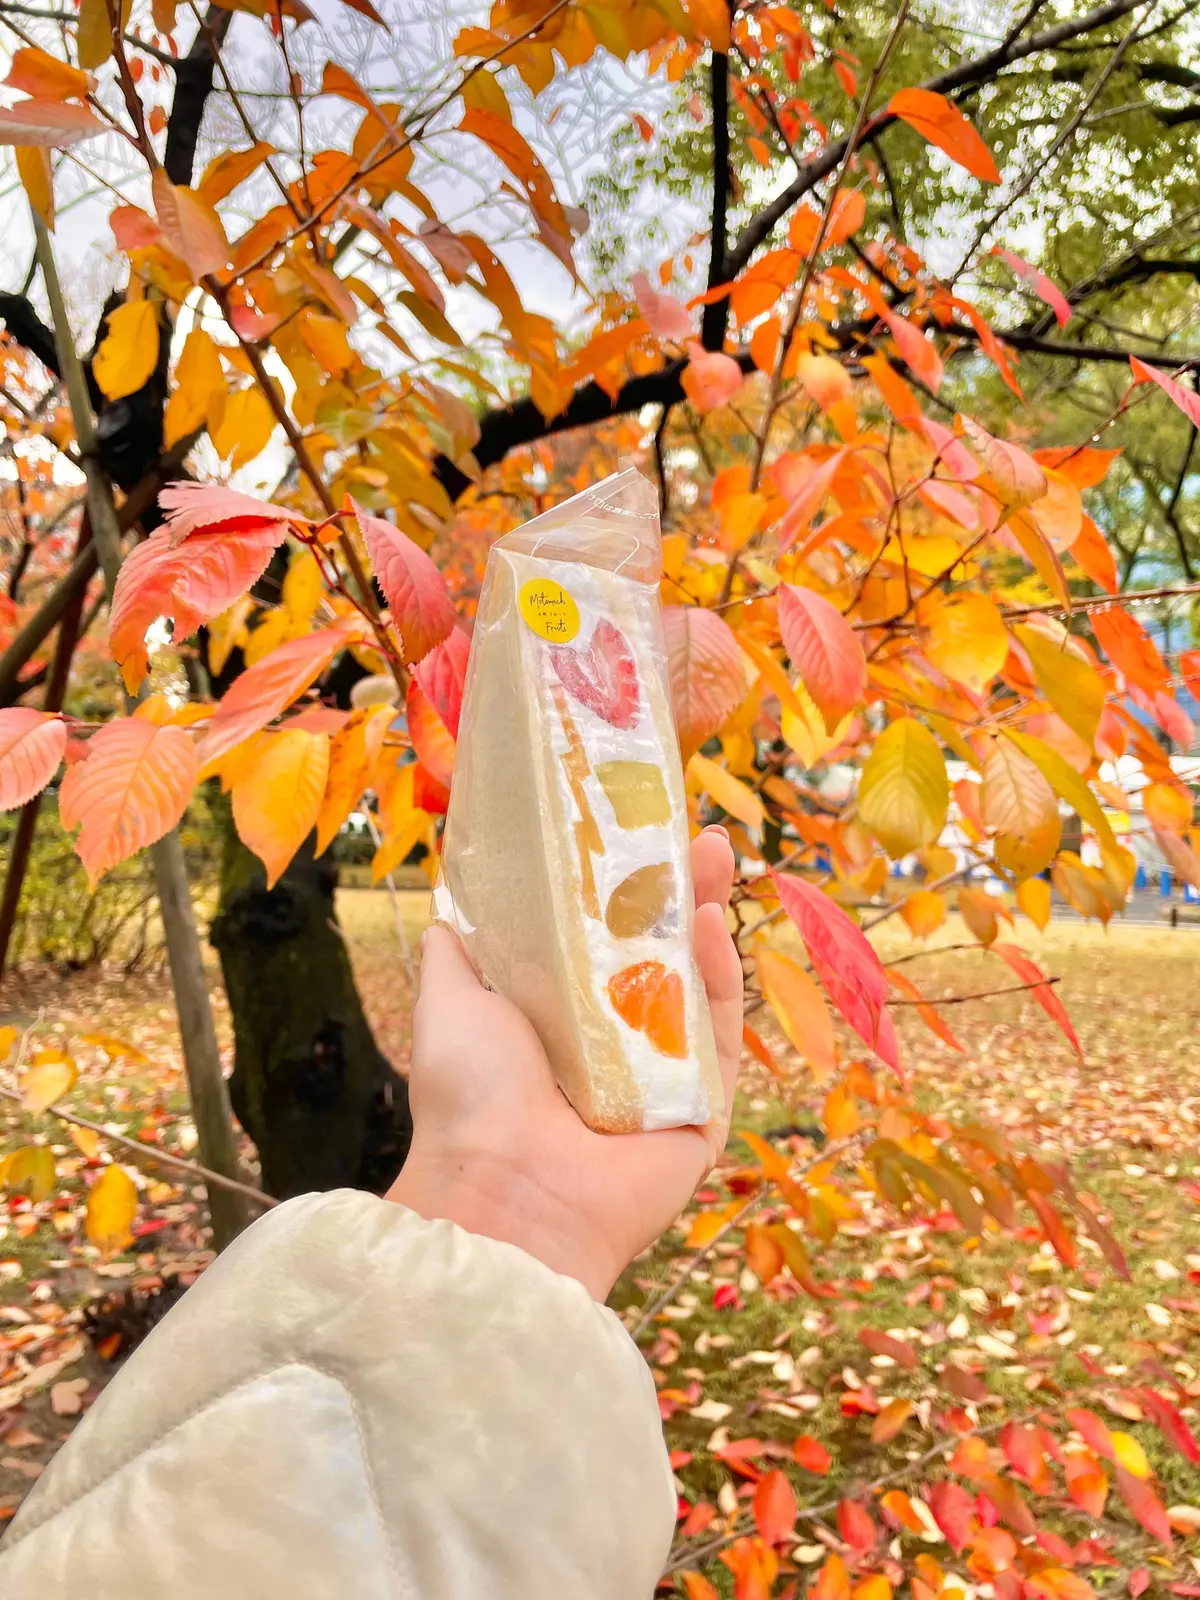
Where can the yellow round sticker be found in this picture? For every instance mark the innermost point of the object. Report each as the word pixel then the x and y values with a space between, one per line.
pixel 549 610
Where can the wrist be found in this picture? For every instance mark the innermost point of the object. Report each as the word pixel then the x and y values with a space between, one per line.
pixel 488 1194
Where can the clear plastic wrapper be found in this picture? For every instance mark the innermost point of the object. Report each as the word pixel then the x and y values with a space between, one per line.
pixel 565 866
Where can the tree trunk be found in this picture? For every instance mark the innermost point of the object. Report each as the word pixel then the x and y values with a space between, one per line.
pixel 310 1085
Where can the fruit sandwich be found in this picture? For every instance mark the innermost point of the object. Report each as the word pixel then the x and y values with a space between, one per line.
pixel 565 863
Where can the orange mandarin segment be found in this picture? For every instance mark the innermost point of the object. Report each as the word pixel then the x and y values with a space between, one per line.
pixel 649 997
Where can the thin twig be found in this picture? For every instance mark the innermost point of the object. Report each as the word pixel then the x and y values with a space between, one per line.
pixel 149 1152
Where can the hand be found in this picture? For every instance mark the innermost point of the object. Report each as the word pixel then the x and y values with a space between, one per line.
pixel 498 1149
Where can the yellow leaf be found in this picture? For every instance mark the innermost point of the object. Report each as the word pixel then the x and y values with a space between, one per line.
pixel 228 631
pixel 1018 805
pixel 326 337
pixel 111 1208
pixel 354 748
pixel 924 910
pixel 1129 1454
pixel 800 1009
pixel 8 1037
pixel 1168 808
pixel 1071 686
pixel 85 1140
pixel 246 425
pixel 967 640
pixel 904 793
pixel 840 1114
pixel 37 176
pixel 273 629
pixel 706 1225
pixel 977 908
pixel 115 1049
pixel 199 377
pixel 128 353
pixel 50 1076
pixel 877 1587
pixel 277 799
pixel 403 823
pixel 302 588
pixel 806 733
pixel 31 1170
pixel 1066 783
pixel 94 32
pixel 730 793
pixel 1033 897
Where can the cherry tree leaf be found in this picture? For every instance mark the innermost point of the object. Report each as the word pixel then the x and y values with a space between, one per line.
pixel 1072 686
pixel 824 650
pixel 1017 804
pixel 1029 972
pixel 1130 648
pixel 31 747
pixel 799 1008
pixel 666 318
pixel 130 790
pixel 434 706
pixel 844 960
pixel 730 793
pixel 190 226
pixel 111 1208
pixel 954 1512
pixel 277 797
pixel 707 672
pixel 940 122
pixel 35 72
pixel 269 687
pixel 1017 477
pixel 1045 288
pixel 1092 555
pixel 967 639
pixel 416 593
pixel 775 1507
pixel 213 507
pixel 48 124
pixel 904 792
pixel 1187 400
pixel 710 379
pixel 128 353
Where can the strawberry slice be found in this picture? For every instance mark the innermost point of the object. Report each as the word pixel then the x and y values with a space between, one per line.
pixel 603 677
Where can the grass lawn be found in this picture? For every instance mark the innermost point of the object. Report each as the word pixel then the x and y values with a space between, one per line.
pixel 744 1369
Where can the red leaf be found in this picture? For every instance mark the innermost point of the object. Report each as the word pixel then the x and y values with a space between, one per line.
pixel 884 1344
pixel 134 230
pixel 1141 1499
pixel 132 789
pixel 191 582
pixel 442 676
pixel 1029 972
pixel 1169 1420
pixel 707 670
pixel 209 507
pixel 918 353
pixel 811 1454
pixel 954 1512
pixel 431 738
pixel 1139 1581
pixel 775 1507
pixel 47 125
pixel 824 650
pixel 1186 399
pixel 929 1014
pixel 415 590
pixel 855 1525
pixel 269 687
pixel 31 747
pixel 1045 288
pixel 805 485
pixel 1023 1446
pixel 844 961
pixel 1093 1430
pixel 667 319
pixel 943 124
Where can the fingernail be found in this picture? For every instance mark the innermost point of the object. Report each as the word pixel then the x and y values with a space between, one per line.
pixel 715 827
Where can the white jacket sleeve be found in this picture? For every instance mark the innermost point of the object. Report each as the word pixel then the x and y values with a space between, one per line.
pixel 356 1403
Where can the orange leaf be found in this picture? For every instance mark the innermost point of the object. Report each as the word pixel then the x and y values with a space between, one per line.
pixel 775 1507
pixel 855 1526
pixel 800 1009
pixel 131 789
pixel 50 126
pixel 1091 554
pixel 269 687
pixel 276 801
pixel 1130 649
pixel 832 1582
pixel 35 72
pixel 710 378
pixel 918 353
pixel 31 747
pixel 890 1420
pixel 943 125
pixel 190 227
pixel 811 1454
pixel 1029 972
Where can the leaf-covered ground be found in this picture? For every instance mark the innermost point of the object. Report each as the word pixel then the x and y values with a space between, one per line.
pixel 743 1371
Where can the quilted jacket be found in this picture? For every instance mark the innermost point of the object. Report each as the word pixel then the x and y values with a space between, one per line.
pixel 356 1404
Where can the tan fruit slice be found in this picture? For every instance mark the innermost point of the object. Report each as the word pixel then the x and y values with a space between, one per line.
pixel 636 792
pixel 642 902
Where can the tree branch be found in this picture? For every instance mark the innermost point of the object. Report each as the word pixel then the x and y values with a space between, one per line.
pixel 193 85
pixel 712 323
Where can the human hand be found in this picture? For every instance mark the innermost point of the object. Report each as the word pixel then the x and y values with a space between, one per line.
pixel 497 1147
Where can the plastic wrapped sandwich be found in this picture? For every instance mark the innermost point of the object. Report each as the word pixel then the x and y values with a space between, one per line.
pixel 565 860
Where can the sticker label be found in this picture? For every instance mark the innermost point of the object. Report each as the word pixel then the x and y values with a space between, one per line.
pixel 549 610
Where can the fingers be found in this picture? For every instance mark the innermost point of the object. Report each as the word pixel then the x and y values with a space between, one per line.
pixel 712 867
pixel 721 968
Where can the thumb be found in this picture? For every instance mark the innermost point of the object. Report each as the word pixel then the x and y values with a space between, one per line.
pixel 446 970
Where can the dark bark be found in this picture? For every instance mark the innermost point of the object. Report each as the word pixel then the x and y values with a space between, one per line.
pixel 310 1085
